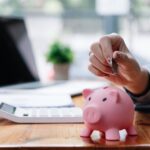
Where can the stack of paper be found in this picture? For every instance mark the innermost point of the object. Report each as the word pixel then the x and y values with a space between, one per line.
pixel 72 87
pixel 58 95
pixel 36 100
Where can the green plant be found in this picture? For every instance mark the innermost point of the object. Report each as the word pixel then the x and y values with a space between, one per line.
pixel 59 53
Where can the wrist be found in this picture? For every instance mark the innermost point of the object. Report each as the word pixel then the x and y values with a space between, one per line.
pixel 140 83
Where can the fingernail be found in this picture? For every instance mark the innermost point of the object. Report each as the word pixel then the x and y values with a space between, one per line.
pixel 117 56
pixel 90 53
pixel 106 75
pixel 109 60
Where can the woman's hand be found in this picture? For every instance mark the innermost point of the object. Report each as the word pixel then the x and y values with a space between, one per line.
pixel 129 73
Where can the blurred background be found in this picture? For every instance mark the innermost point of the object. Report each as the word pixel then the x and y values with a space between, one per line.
pixel 78 23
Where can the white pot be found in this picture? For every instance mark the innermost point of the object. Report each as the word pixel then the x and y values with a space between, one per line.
pixel 61 71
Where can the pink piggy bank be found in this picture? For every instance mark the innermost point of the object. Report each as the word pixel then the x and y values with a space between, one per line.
pixel 108 110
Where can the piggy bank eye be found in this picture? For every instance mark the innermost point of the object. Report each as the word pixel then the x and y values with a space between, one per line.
pixel 104 99
pixel 89 98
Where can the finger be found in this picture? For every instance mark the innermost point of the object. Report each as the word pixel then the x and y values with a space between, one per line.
pixel 106 46
pixel 99 66
pixel 117 41
pixel 124 60
pixel 96 71
pixel 110 43
pixel 97 51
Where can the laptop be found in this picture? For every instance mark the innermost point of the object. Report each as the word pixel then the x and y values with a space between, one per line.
pixel 17 62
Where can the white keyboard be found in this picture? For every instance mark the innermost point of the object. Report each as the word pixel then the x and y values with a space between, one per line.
pixel 41 115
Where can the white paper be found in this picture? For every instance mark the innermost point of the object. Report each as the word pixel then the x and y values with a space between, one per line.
pixel 36 100
pixel 72 87
pixel 52 96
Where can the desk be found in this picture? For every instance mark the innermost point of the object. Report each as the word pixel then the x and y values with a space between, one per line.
pixel 64 136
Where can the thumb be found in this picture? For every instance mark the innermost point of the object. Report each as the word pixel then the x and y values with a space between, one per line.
pixel 123 59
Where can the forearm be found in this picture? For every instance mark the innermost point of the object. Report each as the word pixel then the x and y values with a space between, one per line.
pixel 139 83
pixel 140 92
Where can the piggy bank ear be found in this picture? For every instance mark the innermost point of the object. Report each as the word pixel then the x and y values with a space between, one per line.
pixel 114 95
pixel 86 92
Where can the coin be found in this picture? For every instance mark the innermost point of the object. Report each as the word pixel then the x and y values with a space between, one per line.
pixel 113 65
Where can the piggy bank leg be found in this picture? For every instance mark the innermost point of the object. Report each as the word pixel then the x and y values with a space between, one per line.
pixel 112 134
pixel 131 131
pixel 86 132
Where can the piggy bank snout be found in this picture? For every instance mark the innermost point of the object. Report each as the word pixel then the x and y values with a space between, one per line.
pixel 91 114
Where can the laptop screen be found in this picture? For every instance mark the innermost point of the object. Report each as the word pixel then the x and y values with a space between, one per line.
pixel 17 64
